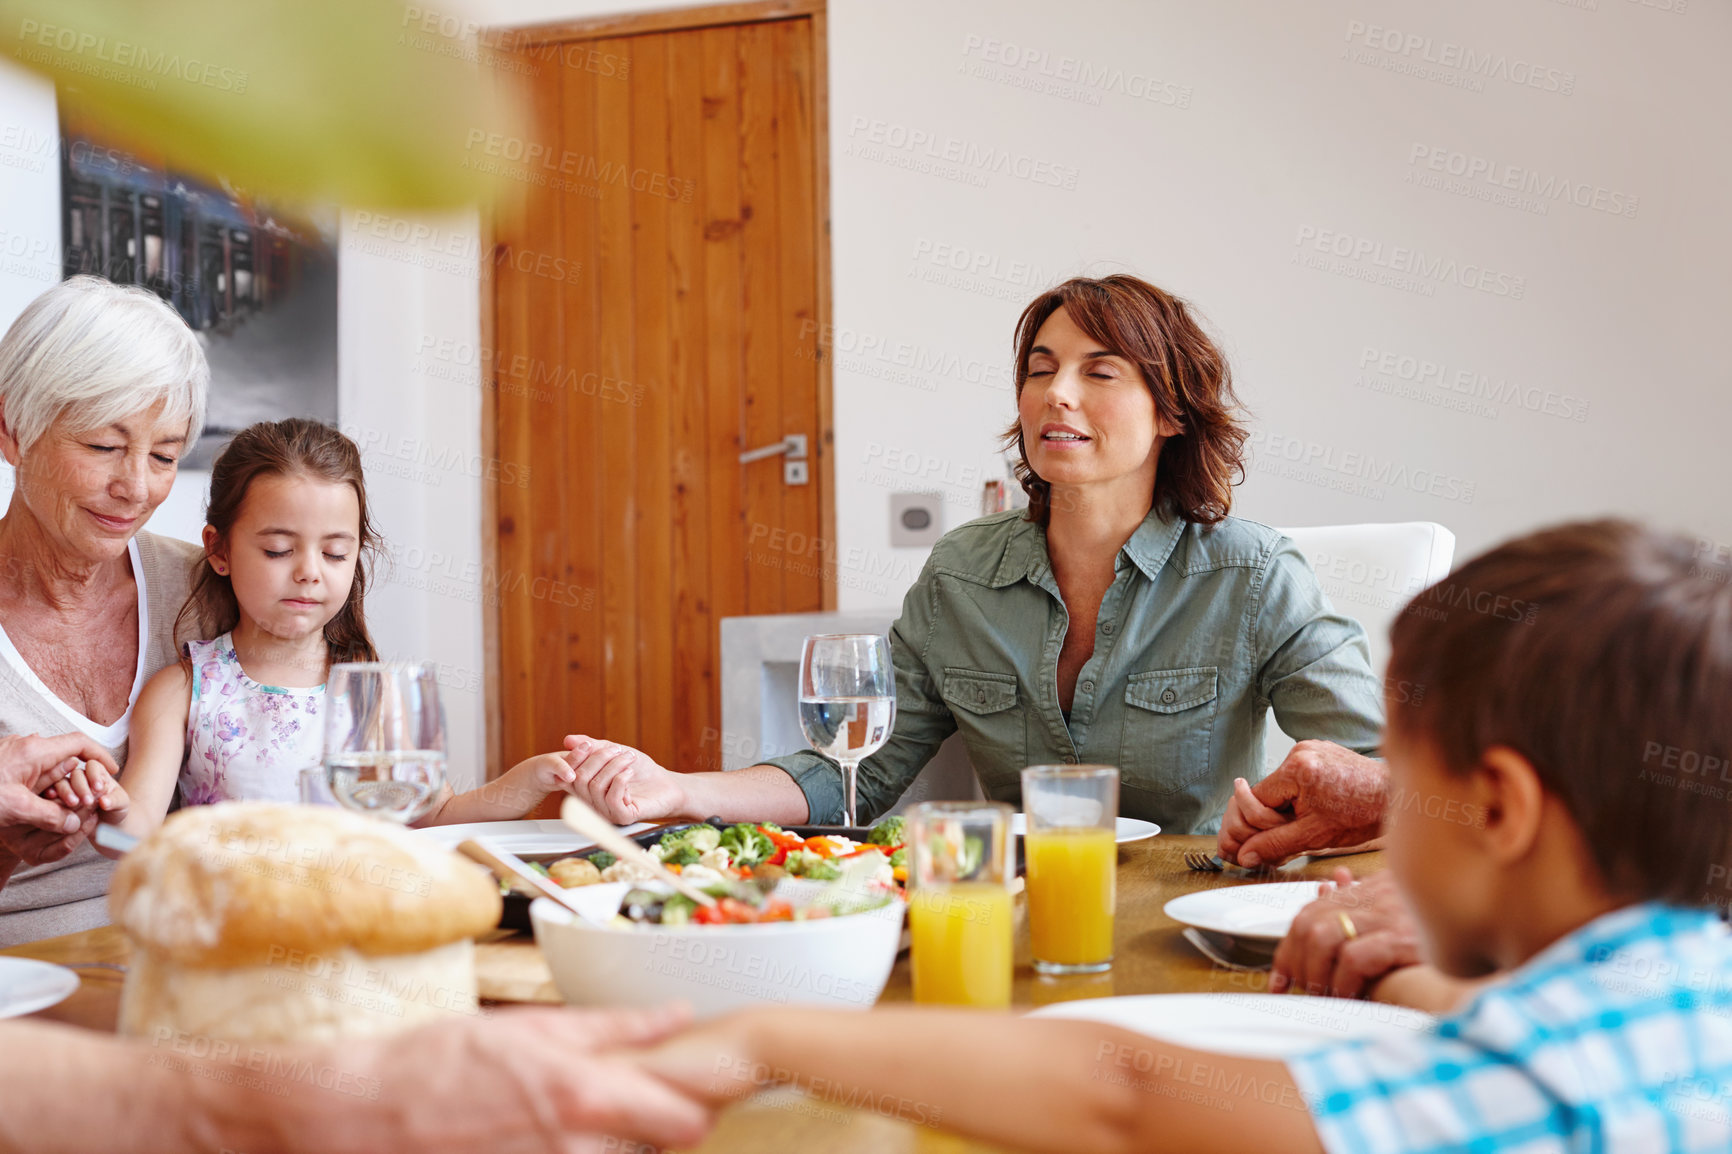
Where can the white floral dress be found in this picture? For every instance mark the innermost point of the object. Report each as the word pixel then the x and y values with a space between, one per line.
pixel 246 741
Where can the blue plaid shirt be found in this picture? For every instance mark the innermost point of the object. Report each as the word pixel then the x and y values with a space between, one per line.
pixel 1617 1037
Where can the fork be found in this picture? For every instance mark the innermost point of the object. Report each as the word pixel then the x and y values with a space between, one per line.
pixel 1206 863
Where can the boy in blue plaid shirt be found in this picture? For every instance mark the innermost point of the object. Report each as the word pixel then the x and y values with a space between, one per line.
pixel 1582 738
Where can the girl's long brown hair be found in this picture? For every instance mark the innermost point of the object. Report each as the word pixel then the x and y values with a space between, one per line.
pixel 1185 373
pixel 295 447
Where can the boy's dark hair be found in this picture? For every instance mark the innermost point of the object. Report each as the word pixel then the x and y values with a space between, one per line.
pixel 1602 652
pixel 295 447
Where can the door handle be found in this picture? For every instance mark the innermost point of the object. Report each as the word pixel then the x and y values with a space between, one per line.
pixel 794 444
pixel 792 450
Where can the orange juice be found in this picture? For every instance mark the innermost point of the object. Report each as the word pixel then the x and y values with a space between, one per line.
pixel 1072 887
pixel 962 935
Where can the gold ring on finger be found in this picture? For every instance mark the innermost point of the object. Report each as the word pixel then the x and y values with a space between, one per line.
pixel 1347 926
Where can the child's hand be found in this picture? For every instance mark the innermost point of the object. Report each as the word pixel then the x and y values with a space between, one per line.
pixel 550 773
pixel 91 788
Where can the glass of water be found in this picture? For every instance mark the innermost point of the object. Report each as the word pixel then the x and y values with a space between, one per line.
pixel 847 702
pixel 384 738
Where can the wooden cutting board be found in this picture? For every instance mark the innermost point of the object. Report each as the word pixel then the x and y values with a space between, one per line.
pixel 510 969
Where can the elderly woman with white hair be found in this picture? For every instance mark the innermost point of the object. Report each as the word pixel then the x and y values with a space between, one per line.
pixel 102 388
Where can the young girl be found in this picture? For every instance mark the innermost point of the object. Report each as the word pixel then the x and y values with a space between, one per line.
pixel 287 542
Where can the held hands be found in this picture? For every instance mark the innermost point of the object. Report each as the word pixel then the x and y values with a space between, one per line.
pixel 1317 955
pixel 1322 796
pixel 535 1082
pixel 36 825
pixel 91 788
pixel 623 784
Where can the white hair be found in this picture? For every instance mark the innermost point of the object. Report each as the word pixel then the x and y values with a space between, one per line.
pixel 95 353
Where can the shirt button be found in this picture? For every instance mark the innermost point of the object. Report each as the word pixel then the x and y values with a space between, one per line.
pixel 1088 687
pixel 1070 759
pixel 980 695
pixel 1168 696
pixel 1106 627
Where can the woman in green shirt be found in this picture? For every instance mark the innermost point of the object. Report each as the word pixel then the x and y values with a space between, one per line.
pixel 1125 619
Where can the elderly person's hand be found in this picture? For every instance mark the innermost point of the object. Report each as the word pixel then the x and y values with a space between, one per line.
pixel 35 829
pixel 530 1081
pixel 521 1081
pixel 1353 935
pixel 1322 796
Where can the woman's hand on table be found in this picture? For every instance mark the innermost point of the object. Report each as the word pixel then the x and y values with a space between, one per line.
pixel 1319 957
pixel 623 784
pixel 1323 796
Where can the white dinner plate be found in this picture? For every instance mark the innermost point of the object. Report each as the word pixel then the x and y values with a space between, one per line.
pixel 546 835
pixel 27 985
pixel 1256 912
pixel 1129 828
pixel 1247 1025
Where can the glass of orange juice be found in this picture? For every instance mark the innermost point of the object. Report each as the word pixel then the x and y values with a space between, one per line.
pixel 959 907
pixel 1071 844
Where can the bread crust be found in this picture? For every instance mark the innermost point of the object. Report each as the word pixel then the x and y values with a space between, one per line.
pixel 247 883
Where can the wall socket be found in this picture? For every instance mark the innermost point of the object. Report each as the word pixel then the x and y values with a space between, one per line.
pixel 916 519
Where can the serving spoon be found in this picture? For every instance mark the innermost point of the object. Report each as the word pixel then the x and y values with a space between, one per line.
pixel 580 817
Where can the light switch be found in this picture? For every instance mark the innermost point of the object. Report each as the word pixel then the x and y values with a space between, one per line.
pixel 916 519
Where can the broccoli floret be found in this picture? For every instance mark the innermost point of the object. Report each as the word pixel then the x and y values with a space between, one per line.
pixel 701 838
pixel 771 826
pixel 601 859
pixel 680 854
pixel 802 863
pixel 747 844
pixel 899 859
pixel 677 910
pixel 890 831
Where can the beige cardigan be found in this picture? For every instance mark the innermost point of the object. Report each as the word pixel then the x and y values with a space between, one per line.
pixel 72 894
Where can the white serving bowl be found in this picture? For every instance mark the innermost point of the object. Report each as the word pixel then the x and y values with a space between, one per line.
pixel 836 962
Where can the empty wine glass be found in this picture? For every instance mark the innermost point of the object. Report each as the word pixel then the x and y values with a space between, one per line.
pixel 384 738
pixel 847 702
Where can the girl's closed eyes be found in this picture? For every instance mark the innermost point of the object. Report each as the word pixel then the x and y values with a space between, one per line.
pixel 287 547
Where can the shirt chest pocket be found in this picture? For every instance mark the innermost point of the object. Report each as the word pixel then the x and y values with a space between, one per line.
pixel 1169 724
pixel 985 708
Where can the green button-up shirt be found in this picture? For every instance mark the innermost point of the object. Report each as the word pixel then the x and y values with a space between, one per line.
pixel 1201 632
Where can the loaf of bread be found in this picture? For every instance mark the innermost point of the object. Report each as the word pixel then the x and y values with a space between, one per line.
pixel 265 922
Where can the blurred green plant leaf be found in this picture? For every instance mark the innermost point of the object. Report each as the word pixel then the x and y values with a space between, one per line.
pixel 351 101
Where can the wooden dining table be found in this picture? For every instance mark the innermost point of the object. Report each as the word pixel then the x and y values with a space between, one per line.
pixel 1150 957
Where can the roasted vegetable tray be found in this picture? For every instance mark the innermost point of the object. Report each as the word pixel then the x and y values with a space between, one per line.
pixel 515 915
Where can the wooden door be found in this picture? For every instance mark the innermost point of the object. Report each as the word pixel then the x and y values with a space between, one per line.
pixel 656 312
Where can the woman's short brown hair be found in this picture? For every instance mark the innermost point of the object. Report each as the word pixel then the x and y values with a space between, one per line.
pixel 1185 373
pixel 1602 652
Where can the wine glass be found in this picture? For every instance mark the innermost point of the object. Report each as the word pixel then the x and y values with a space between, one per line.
pixel 847 702
pixel 384 738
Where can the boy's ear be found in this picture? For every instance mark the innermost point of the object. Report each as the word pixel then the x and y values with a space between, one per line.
pixel 1507 788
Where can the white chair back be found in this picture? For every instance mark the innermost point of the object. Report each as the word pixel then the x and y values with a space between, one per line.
pixel 1369 573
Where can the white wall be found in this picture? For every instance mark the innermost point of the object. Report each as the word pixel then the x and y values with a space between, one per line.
pixel 1223 143
pixel 1523 359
